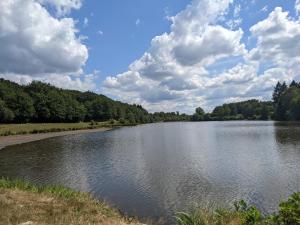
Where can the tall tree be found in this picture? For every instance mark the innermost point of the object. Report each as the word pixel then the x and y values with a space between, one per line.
pixel 199 114
pixel 278 91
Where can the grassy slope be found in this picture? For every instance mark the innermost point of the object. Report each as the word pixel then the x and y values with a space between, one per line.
pixel 31 128
pixel 23 203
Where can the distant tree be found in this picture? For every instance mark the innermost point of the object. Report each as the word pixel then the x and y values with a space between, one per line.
pixel 295 108
pixel 218 113
pixel 22 106
pixel 233 109
pixel 251 109
pixel 6 115
pixel 293 84
pixel 200 111
pixel 287 106
pixel 207 117
pixel 130 117
pixel 40 102
pixel 264 113
pixel 199 114
pixel 278 91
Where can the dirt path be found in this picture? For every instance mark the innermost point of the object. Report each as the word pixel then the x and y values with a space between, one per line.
pixel 20 139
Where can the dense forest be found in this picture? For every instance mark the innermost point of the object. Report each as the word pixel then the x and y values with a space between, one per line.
pixel 246 110
pixel 285 106
pixel 40 102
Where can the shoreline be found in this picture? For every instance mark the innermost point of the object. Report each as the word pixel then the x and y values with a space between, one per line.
pixel 25 203
pixel 6 141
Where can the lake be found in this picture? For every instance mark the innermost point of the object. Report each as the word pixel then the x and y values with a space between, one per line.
pixel 154 170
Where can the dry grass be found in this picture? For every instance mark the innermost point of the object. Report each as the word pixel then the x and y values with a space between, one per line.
pixel 54 206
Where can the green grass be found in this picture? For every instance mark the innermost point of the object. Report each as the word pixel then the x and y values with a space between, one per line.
pixel 34 128
pixel 26 186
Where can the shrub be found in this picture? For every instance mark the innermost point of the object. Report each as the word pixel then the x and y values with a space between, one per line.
pixel 288 214
pixel 122 121
pixel 289 211
pixel 93 123
pixel 250 215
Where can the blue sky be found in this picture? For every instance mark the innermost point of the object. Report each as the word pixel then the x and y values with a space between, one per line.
pixel 122 40
pixel 115 40
pixel 166 55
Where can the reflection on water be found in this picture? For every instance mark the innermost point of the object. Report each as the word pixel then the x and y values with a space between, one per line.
pixel 154 170
pixel 288 133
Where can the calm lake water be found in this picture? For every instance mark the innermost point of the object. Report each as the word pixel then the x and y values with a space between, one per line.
pixel 156 169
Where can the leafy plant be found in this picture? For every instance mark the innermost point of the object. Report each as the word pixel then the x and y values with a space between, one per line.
pixel 250 215
pixel 289 211
pixel 185 219
pixel 243 214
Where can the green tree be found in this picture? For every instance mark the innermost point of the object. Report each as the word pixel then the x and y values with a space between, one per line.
pixel 6 115
pixel 295 108
pixel 278 91
pixel 293 84
pixel 22 107
pixel 199 114
pixel 264 113
pixel 287 104
pixel 40 102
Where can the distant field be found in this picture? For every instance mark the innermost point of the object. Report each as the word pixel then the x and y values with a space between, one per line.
pixel 32 128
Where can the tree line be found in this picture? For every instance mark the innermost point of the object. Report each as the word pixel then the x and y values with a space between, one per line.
pixel 41 102
pixel 285 106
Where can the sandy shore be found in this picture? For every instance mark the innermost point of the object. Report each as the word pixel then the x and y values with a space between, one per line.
pixel 20 139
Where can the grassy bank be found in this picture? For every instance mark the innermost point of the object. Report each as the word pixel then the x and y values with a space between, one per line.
pixel 243 214
pixel 24 203
pixel 35 128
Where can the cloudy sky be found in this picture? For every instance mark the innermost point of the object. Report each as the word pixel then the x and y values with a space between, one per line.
pixel 166 55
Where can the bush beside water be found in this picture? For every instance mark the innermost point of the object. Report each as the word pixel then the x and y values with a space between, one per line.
pixel 243 214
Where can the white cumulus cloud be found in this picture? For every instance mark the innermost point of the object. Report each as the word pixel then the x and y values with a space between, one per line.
pixel 173 70
pixel 278 41
pixel 175 73
pixel 35 44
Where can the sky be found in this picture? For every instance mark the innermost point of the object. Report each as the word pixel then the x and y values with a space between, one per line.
pixel 171 55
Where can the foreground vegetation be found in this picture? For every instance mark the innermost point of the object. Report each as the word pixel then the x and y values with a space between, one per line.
pixel 242 214
pixel 24 203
